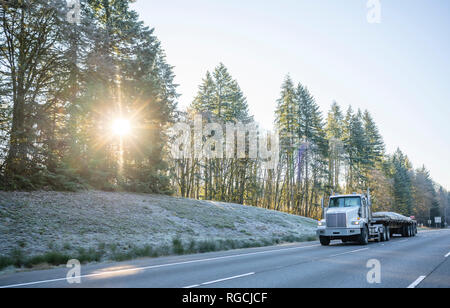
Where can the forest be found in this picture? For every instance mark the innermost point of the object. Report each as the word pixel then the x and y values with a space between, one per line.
pixel 89 105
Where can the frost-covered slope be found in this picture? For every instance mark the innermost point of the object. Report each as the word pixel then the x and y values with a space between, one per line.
pixel 116 223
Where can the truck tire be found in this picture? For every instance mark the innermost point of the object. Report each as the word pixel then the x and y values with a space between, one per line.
pixel 384 235
pixel 363 238
pixel 405 232
pixel 325 240
pixel 388 234
pixel 379 237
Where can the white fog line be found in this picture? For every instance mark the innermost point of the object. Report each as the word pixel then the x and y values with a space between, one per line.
pixel 417 282
pixel 447 255
pixel 155 266
pixel 191 287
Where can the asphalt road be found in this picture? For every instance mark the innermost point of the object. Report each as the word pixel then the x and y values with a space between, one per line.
pixel 422 261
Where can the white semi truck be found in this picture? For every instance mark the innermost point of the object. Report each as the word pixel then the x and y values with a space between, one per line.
pixel 350 218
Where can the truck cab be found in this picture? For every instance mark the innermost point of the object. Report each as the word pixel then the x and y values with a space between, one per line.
pixel 347 218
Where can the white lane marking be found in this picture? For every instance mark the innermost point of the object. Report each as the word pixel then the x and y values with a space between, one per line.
pixel 36 282
pixel 447 255
pixel 417 282
pixel 154 266
pixel 219 280
pixel 225 279
pixel 348 252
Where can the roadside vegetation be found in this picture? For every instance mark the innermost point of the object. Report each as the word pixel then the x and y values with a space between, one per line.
pixel 50 228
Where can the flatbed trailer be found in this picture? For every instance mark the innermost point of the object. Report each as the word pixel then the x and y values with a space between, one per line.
pixel 395 223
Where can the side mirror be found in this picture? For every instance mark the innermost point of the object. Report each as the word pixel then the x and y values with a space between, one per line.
pixel 322 204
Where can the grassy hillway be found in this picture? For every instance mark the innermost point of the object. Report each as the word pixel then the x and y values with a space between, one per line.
pixel 49 228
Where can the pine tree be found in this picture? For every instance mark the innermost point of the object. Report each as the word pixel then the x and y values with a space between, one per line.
pixel 334 133
pixel 287 124
pixel 402 186
pixel 375 144
pixel 312 134
pixel 221 100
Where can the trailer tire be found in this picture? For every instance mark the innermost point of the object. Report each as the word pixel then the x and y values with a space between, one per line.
pixel 388 234
pixel 324 240
pixel 405 232
pixel 384 235
pixel 363 238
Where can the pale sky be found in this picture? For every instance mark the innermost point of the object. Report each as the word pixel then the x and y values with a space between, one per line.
pixel 397 69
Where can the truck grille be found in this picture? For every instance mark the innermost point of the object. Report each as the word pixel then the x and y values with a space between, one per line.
pixel 337 220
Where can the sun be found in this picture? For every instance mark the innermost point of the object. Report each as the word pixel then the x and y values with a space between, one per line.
pixel 121 127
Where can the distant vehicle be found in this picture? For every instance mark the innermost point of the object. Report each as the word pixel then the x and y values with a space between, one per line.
pixel 349 218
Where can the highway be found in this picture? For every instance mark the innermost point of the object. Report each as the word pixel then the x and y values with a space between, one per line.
pixel 419 262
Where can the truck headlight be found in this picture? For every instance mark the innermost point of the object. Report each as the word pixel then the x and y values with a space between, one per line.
pixel 356 222
pixel 322 223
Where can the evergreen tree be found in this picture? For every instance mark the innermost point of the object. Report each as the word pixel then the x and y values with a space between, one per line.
pixel 67 83
pixel 287 125
pixel 402 186
pixel 355 144
pixel 375 144
pixel 311 132
pixel 219 100
pixel 334 134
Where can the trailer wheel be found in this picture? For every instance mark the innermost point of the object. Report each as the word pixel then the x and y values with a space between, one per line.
pixel 364 236
pixel 405 231
pixel 325 240
pixel 388 234
pixel 384 235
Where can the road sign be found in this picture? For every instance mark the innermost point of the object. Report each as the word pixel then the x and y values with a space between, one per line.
pixel 437 220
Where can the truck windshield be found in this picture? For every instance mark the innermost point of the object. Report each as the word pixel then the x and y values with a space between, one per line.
pixel 345 202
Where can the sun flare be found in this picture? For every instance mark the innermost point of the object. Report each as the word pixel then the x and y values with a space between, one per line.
pixel 121 127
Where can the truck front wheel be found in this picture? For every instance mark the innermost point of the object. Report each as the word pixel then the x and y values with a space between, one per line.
pixel 325 240
pixel 364 236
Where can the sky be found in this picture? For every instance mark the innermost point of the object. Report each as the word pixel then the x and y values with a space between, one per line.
pixel 397 69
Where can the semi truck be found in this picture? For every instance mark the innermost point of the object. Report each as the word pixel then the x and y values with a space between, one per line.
pixel 349 218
